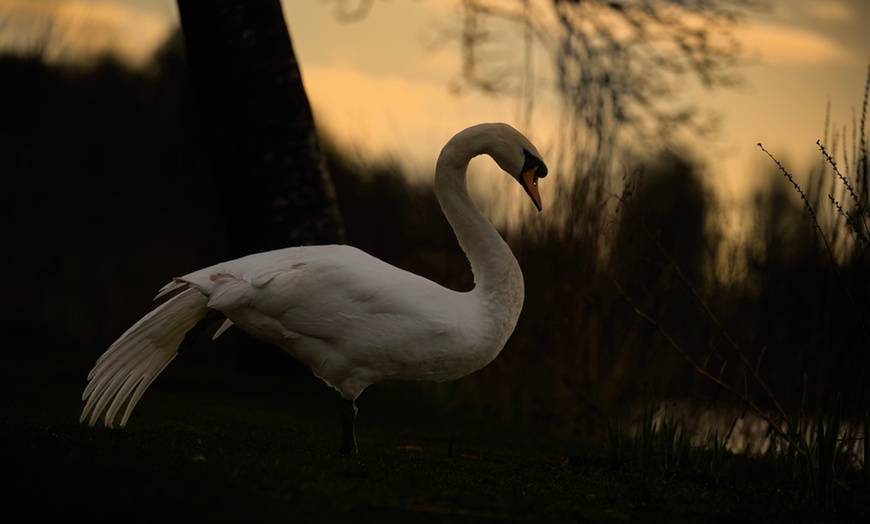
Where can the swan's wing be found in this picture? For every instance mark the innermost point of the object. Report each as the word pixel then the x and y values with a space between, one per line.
pixel 352 318
pixel 254 269
pixel 313 290
pixel 123 373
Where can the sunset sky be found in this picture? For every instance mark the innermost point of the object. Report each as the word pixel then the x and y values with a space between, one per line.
pixel 383 84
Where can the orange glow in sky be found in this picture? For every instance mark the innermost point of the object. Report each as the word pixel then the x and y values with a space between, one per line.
pixel 378 87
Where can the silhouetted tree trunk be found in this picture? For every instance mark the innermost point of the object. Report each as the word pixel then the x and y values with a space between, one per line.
pixel 274 185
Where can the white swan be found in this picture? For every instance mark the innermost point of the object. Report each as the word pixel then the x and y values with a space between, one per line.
pixel 352 318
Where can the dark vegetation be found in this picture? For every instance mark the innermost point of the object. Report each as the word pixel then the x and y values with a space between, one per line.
pixel 105 196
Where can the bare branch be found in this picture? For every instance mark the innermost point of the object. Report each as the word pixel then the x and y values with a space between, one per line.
pixel 614 62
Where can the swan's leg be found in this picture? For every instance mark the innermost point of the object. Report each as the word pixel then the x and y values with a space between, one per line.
pixel 348 440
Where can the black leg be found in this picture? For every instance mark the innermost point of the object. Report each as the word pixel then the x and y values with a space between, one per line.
pixel 348 440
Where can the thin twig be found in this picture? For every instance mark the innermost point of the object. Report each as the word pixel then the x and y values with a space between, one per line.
pixel 703 371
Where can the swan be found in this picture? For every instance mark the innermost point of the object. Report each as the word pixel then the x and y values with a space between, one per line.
pixel 353 319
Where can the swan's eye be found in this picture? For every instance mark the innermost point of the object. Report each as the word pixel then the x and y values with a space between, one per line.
pixel 533 162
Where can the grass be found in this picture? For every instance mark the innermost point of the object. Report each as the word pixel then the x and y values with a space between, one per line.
pixel 223 446
pixel 826 458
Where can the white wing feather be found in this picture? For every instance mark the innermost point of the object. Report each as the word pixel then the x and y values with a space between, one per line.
pixel 131 364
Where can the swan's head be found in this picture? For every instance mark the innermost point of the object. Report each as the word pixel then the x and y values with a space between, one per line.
pixel 514 153
pixel 508 147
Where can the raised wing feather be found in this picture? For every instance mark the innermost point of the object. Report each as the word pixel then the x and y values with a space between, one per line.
pixel 130 365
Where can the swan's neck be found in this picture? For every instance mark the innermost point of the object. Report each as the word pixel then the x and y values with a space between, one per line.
pixel 497 276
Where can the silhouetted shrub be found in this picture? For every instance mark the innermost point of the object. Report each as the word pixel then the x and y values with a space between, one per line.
pixel 106 196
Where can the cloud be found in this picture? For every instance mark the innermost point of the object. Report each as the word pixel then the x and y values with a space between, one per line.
pixel 411 118
pixel 779 45
pixel 829 11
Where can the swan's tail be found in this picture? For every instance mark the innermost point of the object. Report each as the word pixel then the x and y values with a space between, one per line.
pixel 130 365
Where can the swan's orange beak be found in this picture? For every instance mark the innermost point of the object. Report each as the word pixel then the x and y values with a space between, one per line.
pixel 530 184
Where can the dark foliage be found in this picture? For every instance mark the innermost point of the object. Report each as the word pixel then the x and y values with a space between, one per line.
pixel 106 196
pixel 104 193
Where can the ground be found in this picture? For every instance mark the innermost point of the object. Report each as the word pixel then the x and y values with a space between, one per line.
pixel 224 445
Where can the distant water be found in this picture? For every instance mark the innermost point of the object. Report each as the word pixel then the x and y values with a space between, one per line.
pixel 749 431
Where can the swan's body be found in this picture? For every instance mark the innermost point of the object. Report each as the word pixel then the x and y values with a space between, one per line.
pixel 352 318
